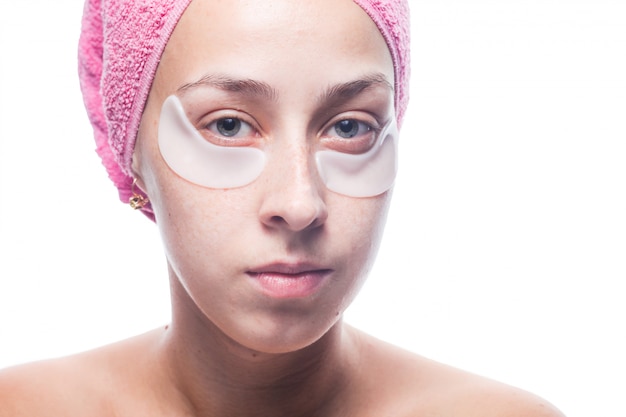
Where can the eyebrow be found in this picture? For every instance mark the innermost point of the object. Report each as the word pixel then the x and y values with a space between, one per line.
pixel 342 91
pixel 244 86
pixel 350 89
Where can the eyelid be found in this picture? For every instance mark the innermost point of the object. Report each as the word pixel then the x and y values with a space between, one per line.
pixel 356 144
pixel 203 123
pixel 360 116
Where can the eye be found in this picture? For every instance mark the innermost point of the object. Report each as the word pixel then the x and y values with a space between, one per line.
pixel 229 131
pixel 350 128
pixel 230 127
pixel 350 135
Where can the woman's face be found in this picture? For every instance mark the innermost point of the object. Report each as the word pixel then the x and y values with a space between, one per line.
pixel 272 264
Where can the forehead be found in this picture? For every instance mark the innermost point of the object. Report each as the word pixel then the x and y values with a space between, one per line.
pixel 276 41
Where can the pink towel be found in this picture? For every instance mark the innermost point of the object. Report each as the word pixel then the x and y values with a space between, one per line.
pixel 120 47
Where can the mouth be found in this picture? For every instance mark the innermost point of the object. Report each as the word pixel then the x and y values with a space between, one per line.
pixel 284 280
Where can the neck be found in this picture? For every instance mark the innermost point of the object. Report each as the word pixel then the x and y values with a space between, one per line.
pixel 214 375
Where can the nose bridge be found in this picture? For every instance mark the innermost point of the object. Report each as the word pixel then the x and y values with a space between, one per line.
pixel 294 197
pixel 296 161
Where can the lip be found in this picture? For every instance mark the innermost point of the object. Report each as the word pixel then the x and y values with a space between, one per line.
pixel 288 280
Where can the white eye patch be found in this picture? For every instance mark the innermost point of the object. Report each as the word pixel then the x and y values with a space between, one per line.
pixel 362 175
pixel 201 162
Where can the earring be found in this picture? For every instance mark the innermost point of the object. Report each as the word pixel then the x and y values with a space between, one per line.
pixel 137 201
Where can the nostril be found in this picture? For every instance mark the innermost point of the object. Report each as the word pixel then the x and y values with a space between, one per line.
pixel 293 216
pixel 295 221
pixel 277 219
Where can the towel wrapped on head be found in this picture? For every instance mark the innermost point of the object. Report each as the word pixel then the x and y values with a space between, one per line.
pixel 120 47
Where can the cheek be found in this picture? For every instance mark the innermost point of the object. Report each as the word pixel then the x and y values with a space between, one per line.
pixel 358 225
pixel 187 217
pixel 357 234
pixel 196 223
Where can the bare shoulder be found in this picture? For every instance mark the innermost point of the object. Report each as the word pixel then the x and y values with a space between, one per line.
pixel 417 386
pixel 51 387
pixel 78 385
pixel 479 396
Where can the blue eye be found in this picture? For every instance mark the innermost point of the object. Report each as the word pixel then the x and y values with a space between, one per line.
pixel 350 135
pixel 350 128
pixel 228 127
pixel 347 128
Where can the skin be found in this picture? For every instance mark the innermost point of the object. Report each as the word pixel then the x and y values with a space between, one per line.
pixel 232 349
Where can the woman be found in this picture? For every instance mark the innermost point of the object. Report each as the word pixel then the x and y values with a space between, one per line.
pixel 262 138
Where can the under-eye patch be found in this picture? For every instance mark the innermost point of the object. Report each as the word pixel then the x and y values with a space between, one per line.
pixel 197 160
pixel 201 162
pixel 361 175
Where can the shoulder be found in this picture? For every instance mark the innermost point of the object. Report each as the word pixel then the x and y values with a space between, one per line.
pixel 483 397
pixel 92 383
pixel 52 387
pixel 419 386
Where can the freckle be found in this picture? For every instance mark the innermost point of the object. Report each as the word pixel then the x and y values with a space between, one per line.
pixel 167 326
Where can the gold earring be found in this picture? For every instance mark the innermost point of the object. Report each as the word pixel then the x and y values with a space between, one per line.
pixel 137 201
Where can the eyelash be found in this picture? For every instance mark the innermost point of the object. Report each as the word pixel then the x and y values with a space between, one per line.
pixel 246 133
pixel 361 142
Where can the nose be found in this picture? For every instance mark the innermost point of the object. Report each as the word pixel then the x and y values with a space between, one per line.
pixel 293 198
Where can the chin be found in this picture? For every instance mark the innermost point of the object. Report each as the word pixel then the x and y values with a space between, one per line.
pixel 282 336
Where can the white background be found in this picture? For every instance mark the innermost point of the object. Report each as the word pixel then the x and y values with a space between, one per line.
pixel 505 251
